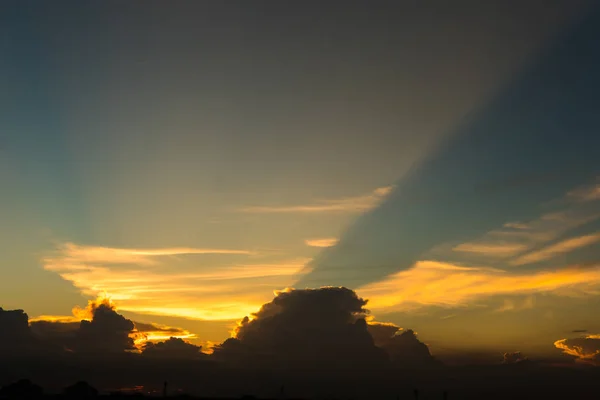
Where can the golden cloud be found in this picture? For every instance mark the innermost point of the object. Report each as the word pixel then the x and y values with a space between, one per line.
pixel 347 204
pixel 434 283
pixel 144 281
pixel 585 349
pixel 323 242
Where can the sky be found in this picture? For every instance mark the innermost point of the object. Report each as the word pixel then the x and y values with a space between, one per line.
pixel 189 161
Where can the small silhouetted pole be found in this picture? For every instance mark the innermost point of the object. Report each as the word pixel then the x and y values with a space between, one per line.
pixel 445 395
pixel 416 394
pixel 165 389
pixel 282 392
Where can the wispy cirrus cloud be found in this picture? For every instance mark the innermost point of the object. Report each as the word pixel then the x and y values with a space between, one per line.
pixel 322 242
pixel 491 249
pixel 347 204
pixel 565 246
pixel 517 239
pixel 434 283
pixel 586 193
pixel 146 281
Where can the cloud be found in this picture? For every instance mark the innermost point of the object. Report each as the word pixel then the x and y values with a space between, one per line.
pixel 584 349
pixel 512 305
pixel 493 250
pixel 323 242
pixel 514 358
pixel 516 238
pixel 516 225
pixel 107 332
pixel 436 283
pixel 323 327
pixel 306 328
pixel 15 335
pixel 64 330
pixel 146 281
pixel 347 204
pixel 565 246
pixel 80 256
pixel 401 345
pixel 173 348
pixel 586 193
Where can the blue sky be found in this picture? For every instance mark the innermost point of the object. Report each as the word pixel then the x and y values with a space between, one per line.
pixel 189 161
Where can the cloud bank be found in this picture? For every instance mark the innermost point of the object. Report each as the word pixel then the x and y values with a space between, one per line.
pixel 319 327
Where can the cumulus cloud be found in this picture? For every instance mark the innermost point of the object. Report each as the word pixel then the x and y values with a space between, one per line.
pixel 173 348
pixel 323 327
pixel 322 242
pixel 514 358
pixel 106 332
pixel 304 328
pixel 100 329
pixel 348 204
pixel 401 345
pixel 15 335
pixel 585 349
pixel 65 330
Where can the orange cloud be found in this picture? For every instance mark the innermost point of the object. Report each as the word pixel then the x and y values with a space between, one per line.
pixel 442 284
pixel 348 204
pixel 584 349
pixel 496 249
pixel 79 255
pixel 143 280
pixel 323 242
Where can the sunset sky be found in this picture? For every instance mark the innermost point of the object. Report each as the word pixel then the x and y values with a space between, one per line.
pixel 189 161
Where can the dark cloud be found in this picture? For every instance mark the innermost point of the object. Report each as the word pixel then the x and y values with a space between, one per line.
pixel 107 332
pixel 61 335
pixel 323 327
pixel 13 325
pixel 514 357
pixel 143 327
pixel 15 335
pixel 579 331
pixel 174 348
pixel 402 346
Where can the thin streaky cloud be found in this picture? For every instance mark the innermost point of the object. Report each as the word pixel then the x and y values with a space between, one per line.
pixel 145 281
pixel 108 255
pixel 566 246
pixel 516 225
pixel 497 250
pixel 323 242
pixel 431 283
pixel 514 239
pixel 586 193
pixel 348 204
